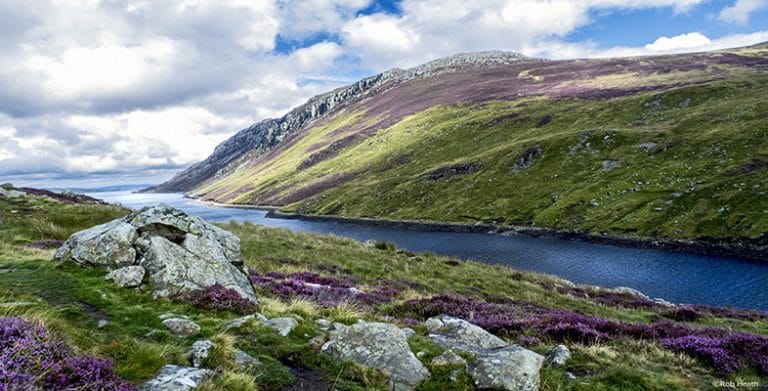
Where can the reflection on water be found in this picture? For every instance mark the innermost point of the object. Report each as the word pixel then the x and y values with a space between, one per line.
pixel 680 278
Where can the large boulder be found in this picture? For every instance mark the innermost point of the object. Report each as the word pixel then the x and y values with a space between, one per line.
pixel 458 334
pixel 179 253
pixel 511 368
pixel 381 346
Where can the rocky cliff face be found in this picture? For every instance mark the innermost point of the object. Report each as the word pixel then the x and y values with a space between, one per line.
pixel 263 136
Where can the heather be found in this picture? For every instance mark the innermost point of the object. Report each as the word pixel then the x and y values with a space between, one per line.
pixel 220 298
pixel 322 290
pixel 722 349
pixel 32 358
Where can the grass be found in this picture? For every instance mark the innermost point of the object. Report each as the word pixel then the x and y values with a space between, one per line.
pixel 70 300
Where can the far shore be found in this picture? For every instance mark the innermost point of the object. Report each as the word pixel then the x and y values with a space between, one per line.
pixel 732 248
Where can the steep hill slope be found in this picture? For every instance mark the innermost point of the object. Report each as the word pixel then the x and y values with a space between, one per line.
pixel 669 146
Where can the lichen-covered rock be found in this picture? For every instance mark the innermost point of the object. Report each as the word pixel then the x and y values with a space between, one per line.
pixel 182 327
pixel 176 378
pixel 558 356
pixel 511 368
pixel 109 246
pixel 381 346
pixel 199 352
pixel 448 358
pixel 127 277
pixel 458 334
pixel 244 360
pixel 283 326
pixel 180 254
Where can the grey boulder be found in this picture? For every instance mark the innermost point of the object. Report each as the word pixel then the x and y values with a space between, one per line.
pixel 458 334
pixel 381 346
pixel 511 368
pixel 180 254
pixel 127 277
pixel 108 246
pixel 176 378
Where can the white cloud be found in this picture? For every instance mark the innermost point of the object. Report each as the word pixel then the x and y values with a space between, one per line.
pixel 679 42
pixel 739 12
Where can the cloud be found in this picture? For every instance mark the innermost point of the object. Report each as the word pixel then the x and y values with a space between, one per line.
pixel 678 42
pixel 100 87
pixel 739 12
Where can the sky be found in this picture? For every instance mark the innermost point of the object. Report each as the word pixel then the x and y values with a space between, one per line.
pixel 103 92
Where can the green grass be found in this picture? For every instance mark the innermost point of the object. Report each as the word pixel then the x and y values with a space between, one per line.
pixel 71 300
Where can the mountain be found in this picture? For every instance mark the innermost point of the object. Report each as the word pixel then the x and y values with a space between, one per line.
pixel 665 146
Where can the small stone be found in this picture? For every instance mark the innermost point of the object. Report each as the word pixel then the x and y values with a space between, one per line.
pixel 318 341
pixel 127 277
pixel 448 358
pixel 182 327
pixel 283 326
pixel 176 378
pixel 323 323
pixel 199 352
pixel 237 323
pixel 244 361
pixel 609 165
pixel 558 356
pixel 168 315
pixel 102 323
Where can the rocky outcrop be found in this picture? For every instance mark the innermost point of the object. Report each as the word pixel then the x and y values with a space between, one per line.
pixel 283 326
pixel 176 378
pixel 381 346
pixel 179 254
pixel 199 352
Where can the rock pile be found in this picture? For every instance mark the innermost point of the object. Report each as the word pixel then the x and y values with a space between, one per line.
pixel 176 253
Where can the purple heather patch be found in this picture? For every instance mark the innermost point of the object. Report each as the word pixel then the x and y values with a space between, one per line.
pixel 723 349
pixel 219 298
pixel 324 290
pixel 31 358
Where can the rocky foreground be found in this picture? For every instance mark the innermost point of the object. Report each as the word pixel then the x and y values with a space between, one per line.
pixel 158 300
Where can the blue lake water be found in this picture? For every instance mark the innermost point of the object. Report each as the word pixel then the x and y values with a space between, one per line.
pixel 680 278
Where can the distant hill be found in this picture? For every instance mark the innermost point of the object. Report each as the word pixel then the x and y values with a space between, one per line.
pixel 663 146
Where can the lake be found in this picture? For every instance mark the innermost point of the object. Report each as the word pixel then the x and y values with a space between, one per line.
pixel 679 278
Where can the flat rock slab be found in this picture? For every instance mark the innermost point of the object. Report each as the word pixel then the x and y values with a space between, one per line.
pixel 176 378
pixel 458 334
pixel 182 327
pixel 510 368
pixel 381 346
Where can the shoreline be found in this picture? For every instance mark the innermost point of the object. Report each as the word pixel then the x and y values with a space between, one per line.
pixel 718 248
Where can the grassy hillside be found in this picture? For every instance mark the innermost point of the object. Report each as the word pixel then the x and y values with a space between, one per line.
pixel 655 147
pixel 617 339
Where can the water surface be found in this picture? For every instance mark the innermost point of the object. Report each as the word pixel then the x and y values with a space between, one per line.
pixel 680 278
